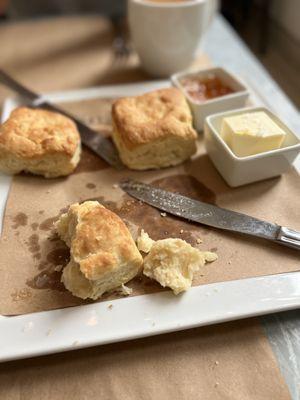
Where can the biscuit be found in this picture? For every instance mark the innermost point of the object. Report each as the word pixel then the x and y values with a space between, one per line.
pixel 39 141
pixel 153 130
pixel 103 253
pixel 173 262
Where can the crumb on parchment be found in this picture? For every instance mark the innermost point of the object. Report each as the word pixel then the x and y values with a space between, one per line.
pixel 210 257
pixel 144 242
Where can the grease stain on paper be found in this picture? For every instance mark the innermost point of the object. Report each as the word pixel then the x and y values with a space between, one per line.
pixel 20 219
pixel 48 224
pixel 90 186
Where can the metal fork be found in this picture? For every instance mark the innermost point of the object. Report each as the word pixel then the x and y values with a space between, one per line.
pixel 120 44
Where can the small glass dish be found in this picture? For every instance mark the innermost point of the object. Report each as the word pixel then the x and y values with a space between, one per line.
pixel 239 171
pixel 226 102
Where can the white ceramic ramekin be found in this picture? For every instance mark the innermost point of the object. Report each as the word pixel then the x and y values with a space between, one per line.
pixel 218 104
pixel 242 170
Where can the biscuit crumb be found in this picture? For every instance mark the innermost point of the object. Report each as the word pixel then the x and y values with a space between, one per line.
pixel 216 384
pixel 28 326
pixel 217 362
pixel 229 262
pixel 123 290
pixel 181 231
pixel 22 294
pixel 199 241
pixel 115 186
pixel 163 214
pixel 144 243
pixel 110 307
pixel 210 257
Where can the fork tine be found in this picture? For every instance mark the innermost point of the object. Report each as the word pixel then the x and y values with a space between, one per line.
pixel 120 46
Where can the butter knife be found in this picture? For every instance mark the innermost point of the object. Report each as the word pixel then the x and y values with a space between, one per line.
pixel 94 140
pixel 208 214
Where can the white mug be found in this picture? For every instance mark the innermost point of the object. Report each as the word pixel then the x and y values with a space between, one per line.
pixel 167 35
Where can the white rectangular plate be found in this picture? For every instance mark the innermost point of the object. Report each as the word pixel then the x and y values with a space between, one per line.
pixel 128 318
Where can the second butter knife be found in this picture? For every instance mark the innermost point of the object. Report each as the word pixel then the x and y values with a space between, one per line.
pixel 94 140
pixel 208 214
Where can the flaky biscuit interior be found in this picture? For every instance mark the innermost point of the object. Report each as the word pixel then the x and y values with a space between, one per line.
pixel 172 262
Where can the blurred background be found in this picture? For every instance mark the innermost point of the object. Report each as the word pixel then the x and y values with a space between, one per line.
pixel 269 27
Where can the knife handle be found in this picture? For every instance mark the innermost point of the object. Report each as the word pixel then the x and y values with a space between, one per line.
pixel 289 237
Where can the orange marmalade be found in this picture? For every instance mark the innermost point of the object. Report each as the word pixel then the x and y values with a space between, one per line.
pixel 203 89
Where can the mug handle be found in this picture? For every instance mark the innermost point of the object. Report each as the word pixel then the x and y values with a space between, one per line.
pixel 212 7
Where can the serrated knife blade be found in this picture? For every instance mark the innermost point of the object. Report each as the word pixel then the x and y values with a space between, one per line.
pixel 209 214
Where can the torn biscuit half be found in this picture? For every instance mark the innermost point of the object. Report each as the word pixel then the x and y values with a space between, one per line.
pixel 103 254
pixel 173 262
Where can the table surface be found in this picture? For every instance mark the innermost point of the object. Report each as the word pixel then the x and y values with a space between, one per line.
pixel 225 48
pixel 223 45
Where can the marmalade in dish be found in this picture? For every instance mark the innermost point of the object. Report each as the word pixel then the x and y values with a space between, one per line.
pixel 201 89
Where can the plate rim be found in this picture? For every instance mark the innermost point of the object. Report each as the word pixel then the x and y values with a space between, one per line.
pixel 21 336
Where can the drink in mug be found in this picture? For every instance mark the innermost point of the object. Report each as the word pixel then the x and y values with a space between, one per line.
pixel 167 33
pixel 166 1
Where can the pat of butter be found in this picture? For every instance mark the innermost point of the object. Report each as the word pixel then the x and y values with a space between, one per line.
pixel 251 133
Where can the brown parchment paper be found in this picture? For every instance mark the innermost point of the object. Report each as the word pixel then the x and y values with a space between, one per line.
pixel 34 255
pixel 229 361
pixel 180 365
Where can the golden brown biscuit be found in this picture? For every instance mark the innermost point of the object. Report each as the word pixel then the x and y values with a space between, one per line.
pixel 103 253
pixel 39 141
pixel 154 130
